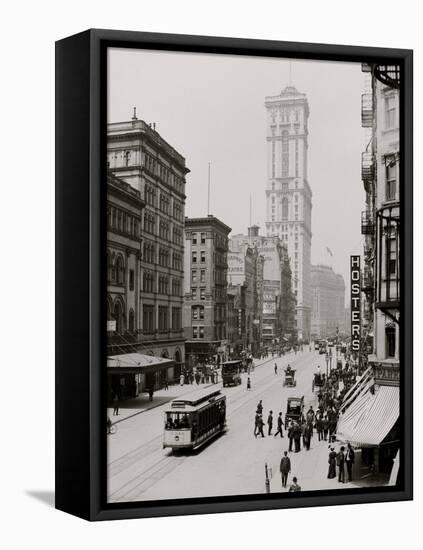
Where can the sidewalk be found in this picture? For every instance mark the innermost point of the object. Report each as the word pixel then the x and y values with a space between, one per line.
pixel 311 468
pixel 140 404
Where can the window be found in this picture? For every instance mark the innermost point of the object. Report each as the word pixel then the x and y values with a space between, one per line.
pixel 273 159
pixel 285 206
pixel 163 318
pixel 202 293
pixel 194 293
pixel 201 334
pixel 127 157
pixel 131 324
pixel 194 275
pixel 391 253
pixel 203 256
pixel 131 279
pixel 285 155
pixel 194 313
pixel 148 318
pixel 203 238
pixel 391 180
pixel 120 271
pixel 203 276
pixel 194 257
pixel 390 112
pixel 176 318
pixel 195 332
pixel 194 238
pixel 390 340
pixel 296 158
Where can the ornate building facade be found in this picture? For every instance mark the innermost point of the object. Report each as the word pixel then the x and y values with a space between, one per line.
pixel 328 302
pixel 138 155
pixel 205 288
pixel 288 193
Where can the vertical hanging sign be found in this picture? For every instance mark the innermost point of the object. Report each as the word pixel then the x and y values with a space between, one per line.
pixel 355 273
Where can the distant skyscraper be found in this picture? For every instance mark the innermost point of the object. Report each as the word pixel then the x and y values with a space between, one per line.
pixel 288 194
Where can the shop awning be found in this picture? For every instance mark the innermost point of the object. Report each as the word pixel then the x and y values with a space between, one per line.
pixel 136 363
pixel 370 417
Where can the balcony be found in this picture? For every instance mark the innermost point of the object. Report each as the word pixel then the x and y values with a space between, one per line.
pixel 366 110
pixel 367 166
pixel 367 223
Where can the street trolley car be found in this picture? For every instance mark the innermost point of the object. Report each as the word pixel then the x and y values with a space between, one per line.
pixel 231 373
pixel 192 421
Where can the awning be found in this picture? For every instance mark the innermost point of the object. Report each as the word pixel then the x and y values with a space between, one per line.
pixel 136 363
pixel 370 417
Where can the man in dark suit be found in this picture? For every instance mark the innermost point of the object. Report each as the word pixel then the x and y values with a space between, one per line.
pixel 270 423
pixel 349 460
pixel 340 462
pixel 280 425
pixel 285 468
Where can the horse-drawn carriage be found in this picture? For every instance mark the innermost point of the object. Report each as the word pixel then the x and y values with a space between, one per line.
pixel 289 380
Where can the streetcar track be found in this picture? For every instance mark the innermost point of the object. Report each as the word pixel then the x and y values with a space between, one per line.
pixel 169 463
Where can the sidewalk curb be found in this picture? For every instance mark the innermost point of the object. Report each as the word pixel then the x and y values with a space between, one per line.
pixel 170 399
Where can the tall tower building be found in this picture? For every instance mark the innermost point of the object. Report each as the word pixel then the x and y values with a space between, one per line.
pixel 288 194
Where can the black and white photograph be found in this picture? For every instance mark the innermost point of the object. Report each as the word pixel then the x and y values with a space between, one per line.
pixel 253 276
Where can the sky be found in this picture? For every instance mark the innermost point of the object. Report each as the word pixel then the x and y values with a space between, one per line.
pixel 210 108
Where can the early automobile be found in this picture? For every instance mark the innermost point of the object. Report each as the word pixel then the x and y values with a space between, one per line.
pixel 231 373
pixel 290 378
pixel 318 381
pixel 294 410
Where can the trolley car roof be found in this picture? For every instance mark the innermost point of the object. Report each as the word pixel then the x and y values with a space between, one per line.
pixel 194 400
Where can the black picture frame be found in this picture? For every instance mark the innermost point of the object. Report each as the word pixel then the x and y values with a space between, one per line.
pixel 81 286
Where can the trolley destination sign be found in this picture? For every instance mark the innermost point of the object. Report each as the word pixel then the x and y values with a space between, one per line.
pixel 355 273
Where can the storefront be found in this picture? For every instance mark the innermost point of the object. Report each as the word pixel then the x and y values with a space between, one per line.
pixel 369 421
pixel 130 374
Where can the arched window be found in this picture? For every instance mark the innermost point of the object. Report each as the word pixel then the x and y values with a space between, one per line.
pixel 127 157
pixel 120 270
pixel 131 321
pixel 285 206
pixel 119 317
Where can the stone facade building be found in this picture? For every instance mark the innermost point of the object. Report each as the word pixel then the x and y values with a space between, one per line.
pixel 288 193
pixel 276 301
pixel 328 302
pixel 138 155
pixel 205 284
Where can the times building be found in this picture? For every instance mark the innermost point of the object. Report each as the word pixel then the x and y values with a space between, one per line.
pixel 288 193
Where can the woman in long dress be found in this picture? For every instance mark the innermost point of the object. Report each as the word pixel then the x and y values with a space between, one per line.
pixel 332 464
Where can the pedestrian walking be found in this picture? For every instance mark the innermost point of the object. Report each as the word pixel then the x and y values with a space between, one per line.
pixel 182 379
pixel 116 405
pixel 297 437
pixel 285 468
pixel 340 462
pixel 349 460
pixel 325 425
pixel 308 433
pixel 276 368
pixel 270 423
pixel 248 383
pixel 165 383
pixel 332 464
pixel 261 426
pixel 280 425
pixel 294 488
pixel 260 407
pixel 319 428
pixel 256 424
pixel 150 394
pixel 291 436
